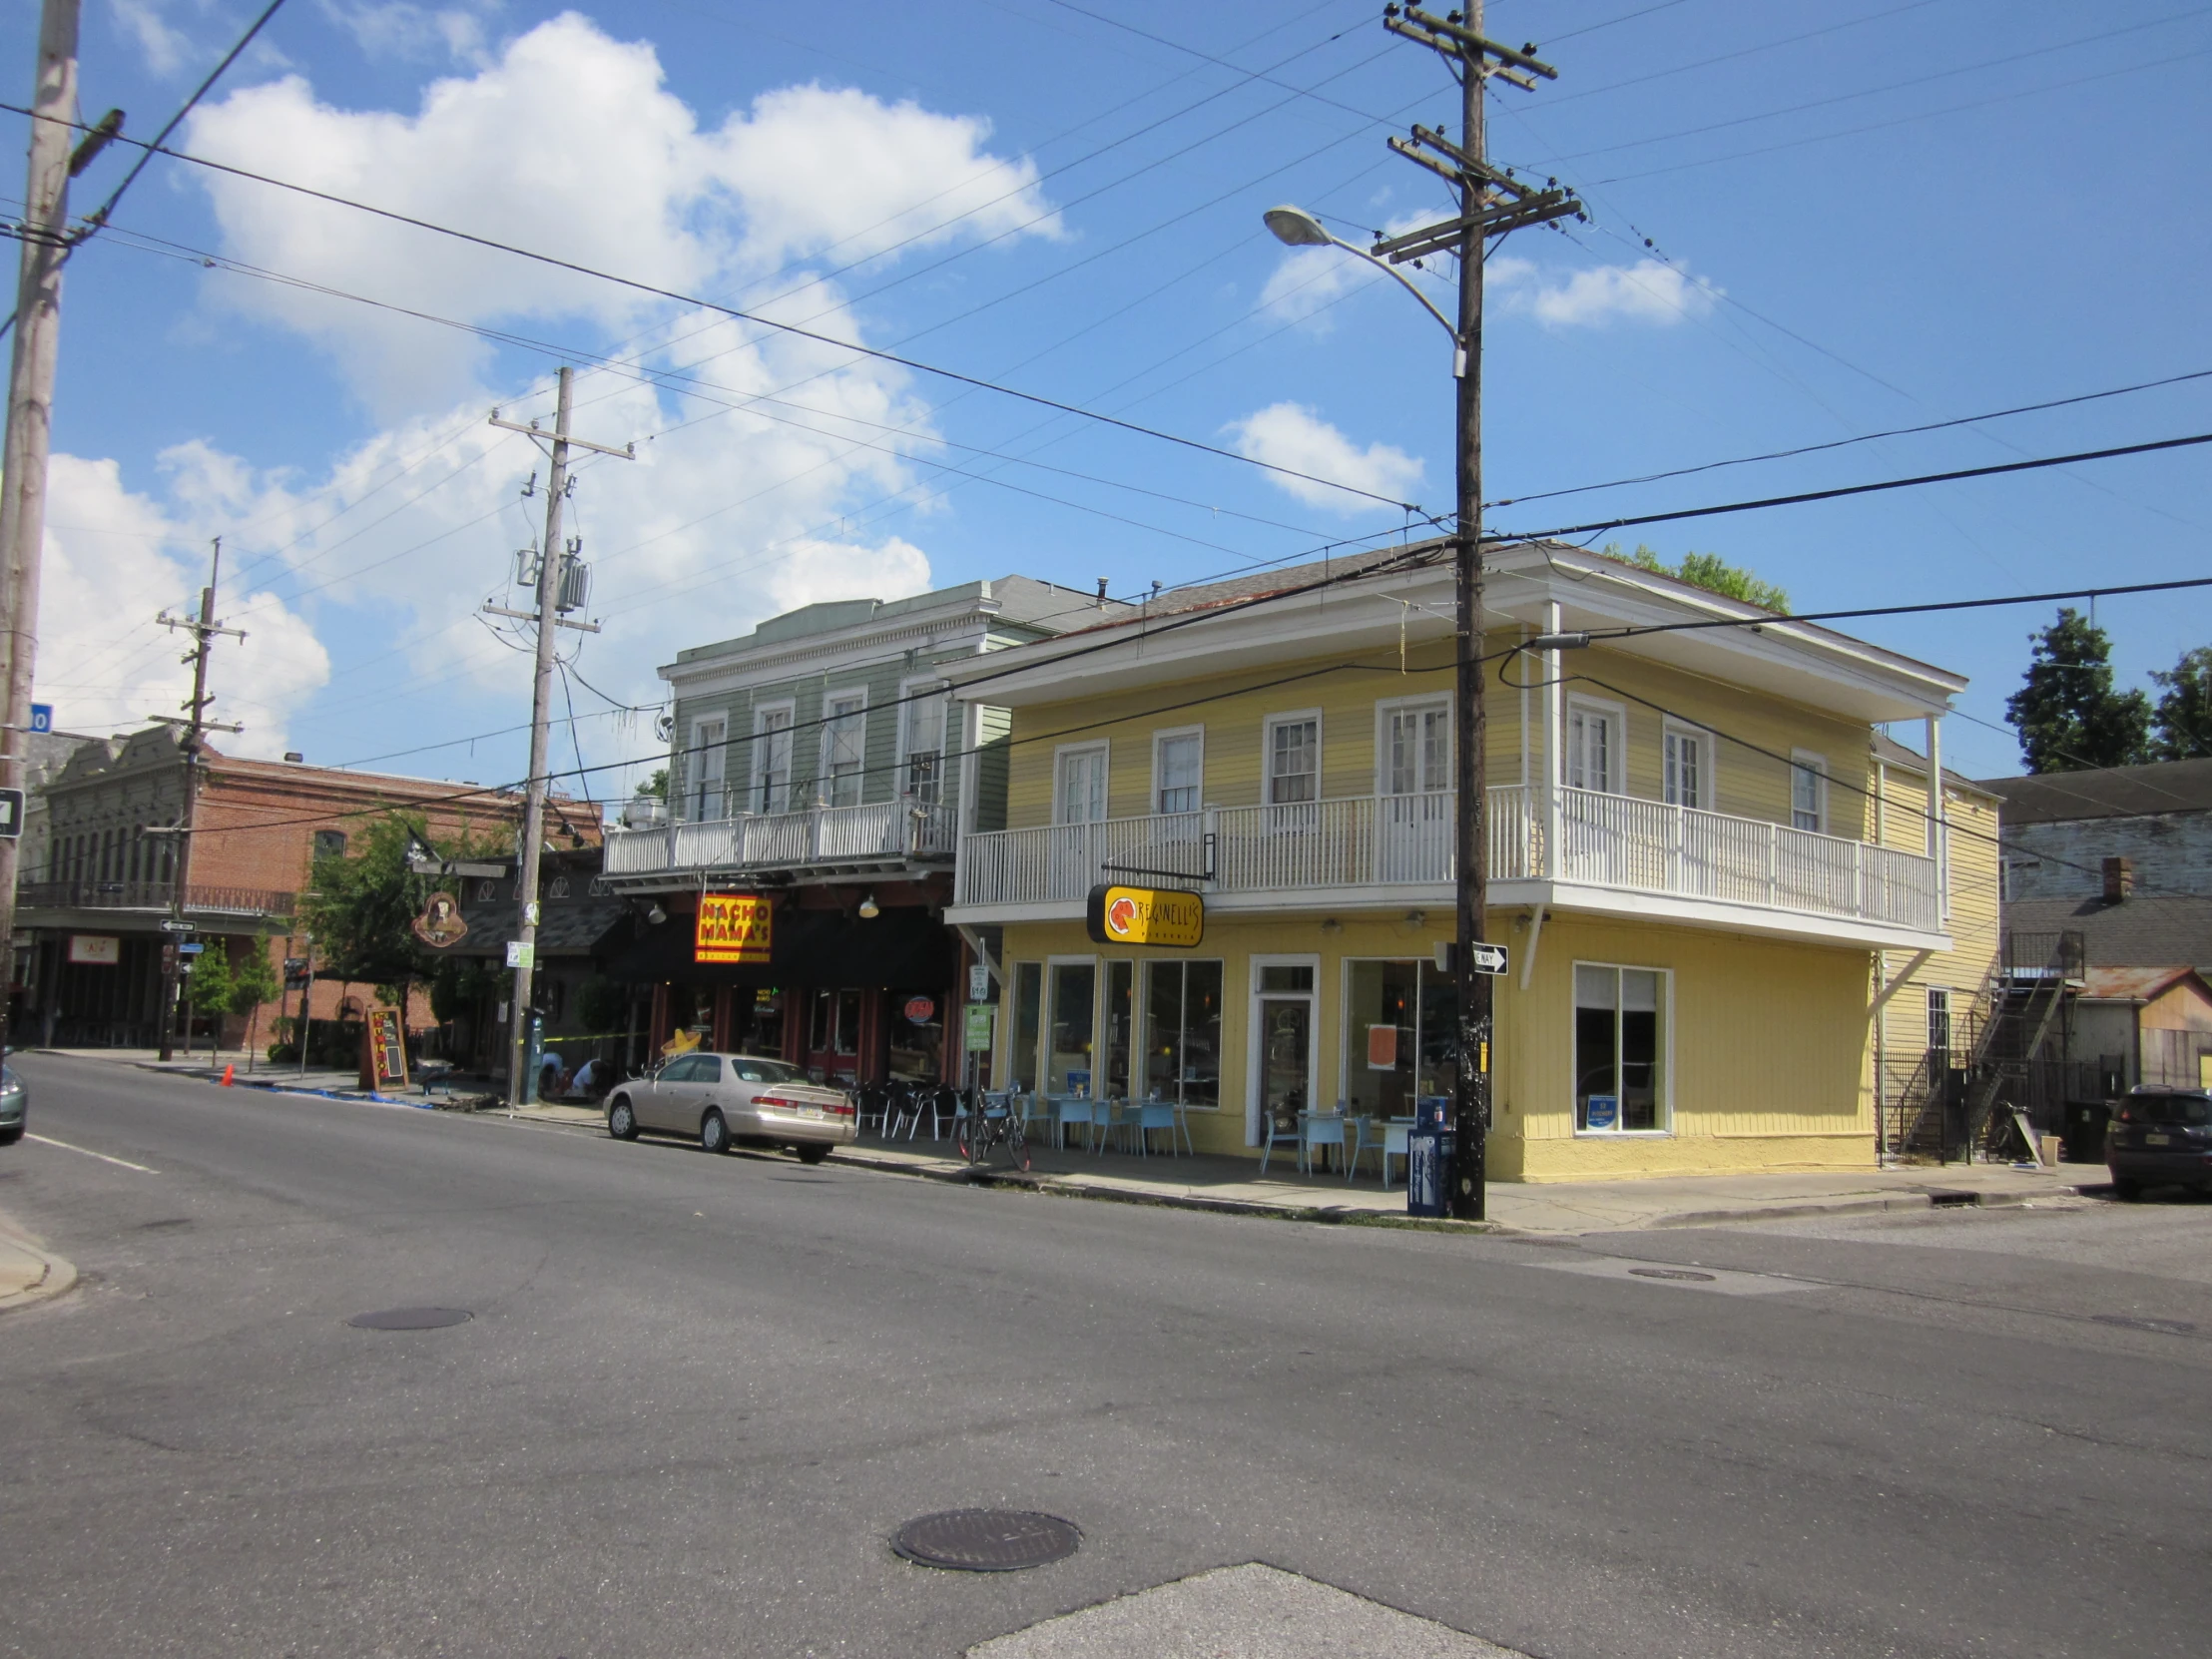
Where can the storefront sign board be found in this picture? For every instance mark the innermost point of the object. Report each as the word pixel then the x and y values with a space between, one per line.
pixel 96 949
pixel 732 927
pixel 1170 916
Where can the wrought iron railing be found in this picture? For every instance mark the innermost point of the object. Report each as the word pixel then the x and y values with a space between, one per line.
pixel 198 898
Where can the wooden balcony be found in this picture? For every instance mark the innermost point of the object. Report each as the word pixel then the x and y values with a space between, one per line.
pixel 882 839
pixel 1601 852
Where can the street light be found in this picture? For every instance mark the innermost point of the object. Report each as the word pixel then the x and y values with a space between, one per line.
pixel 1468 1178
pixel 1296 228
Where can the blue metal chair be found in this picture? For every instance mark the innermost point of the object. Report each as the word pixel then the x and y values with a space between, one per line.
pixel 1273 1133
pixel 1069 1111
pixel 1324 1130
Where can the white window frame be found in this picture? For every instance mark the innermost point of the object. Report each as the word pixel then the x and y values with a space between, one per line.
pixel 826 786
pixel 696 773
pixel 1160 740
pixel 1105 750
pixel 1252 1030
pixel 1140 1023
pixel 911 694
pixel 1268 728
pixel 1806 760
pixel 1615 781
pixel 1666 1052
pixel 1385 708
pixel 756 792
pixel 1677 732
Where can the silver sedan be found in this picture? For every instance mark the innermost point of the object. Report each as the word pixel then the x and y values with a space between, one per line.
pixel 724 1100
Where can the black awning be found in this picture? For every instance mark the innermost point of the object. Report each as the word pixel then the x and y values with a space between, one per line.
pixel 902 946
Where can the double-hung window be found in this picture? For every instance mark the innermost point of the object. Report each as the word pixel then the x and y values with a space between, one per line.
pixel 707 758
pixel 1689 767
pixel 1080 788
pixel 1594 748
pixel 1808 791
pixel 1416 741
pixel 1178 759
pixel 1294 760
pixel 1620 1046
pixel 771 760
pixel 844 748
pixel 921 772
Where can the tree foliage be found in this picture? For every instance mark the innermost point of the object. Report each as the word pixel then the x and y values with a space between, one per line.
pixel 655 787
pixel 363 909
pixel 1708 571
pixel 2184 713
pixel 2067 713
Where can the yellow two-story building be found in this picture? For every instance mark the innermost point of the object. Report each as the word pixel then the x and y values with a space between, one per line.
pixel 1712 892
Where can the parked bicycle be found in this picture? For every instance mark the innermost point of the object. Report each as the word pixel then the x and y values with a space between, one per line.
pixel 992 1123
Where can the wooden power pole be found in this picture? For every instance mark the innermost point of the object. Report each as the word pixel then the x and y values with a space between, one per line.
pixel 38 308
pixel 1491 203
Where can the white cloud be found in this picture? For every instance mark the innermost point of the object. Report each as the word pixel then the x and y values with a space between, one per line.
pixel 402 29
pixel 1295 437
pixel 1307 280
pixel 1646 292
pixel 623 181
pixel 162 47
pixel 113 559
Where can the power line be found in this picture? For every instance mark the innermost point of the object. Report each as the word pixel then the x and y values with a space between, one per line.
pixel 1865 437
pixel 1570 532
pixel 741 314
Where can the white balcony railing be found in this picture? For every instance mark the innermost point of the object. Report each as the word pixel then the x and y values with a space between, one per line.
pixel 820 836
pixel 1604 840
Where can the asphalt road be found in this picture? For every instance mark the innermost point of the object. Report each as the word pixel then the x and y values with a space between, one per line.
pixel 698 1394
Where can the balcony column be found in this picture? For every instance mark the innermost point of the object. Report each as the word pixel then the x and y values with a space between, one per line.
pixel 1936 824
pixel 1556 732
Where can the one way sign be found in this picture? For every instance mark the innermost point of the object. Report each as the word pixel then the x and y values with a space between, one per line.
pixel 1488 958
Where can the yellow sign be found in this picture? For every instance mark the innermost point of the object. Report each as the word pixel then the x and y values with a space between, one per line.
pixel 1166 916
pixel 732 927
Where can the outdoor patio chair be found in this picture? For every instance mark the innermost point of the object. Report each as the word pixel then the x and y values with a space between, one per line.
pixel 1069 1111
pixel 1151 1115
pixel 1106 1117
pixel 1324 1130
pixel 1274 1134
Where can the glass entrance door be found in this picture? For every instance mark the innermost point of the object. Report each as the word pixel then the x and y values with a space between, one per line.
pixel 1286 1059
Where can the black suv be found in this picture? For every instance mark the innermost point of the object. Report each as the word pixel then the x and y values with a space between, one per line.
pixel 2160 1137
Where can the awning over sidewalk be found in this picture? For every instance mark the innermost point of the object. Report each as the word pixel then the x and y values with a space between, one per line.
pixel 902 946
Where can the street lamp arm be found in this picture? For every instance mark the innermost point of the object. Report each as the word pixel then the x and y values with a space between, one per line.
pixel 1404 281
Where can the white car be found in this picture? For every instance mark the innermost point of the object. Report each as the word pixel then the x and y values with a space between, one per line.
pixel 726 1099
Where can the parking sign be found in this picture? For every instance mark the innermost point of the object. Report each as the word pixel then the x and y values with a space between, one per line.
pixel 42 716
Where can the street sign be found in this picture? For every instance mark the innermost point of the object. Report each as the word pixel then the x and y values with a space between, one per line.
pixel 1168 917
pixel 11 814
pixel 42 716
pixel 192 947
pixel 520 954
pixel 978 983
pixel 1489 958
pixel 980 1027
pixel 175 925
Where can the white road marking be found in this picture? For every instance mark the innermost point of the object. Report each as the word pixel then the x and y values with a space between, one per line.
pixel 48 1140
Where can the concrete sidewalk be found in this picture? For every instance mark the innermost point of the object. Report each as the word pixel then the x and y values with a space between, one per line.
pixel 1235 1186
pixel 28 1271
pixel 342 1081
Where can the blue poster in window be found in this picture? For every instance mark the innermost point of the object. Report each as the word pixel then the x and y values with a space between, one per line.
pixel 1079 1081
pixel 1603 1112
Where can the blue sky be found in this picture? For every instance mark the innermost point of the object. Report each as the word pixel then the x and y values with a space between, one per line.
pixel 1859 217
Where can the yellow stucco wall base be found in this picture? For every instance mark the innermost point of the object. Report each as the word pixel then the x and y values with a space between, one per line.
pixel 1591 1158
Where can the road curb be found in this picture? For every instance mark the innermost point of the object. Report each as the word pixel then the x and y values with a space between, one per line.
pixel 58 1277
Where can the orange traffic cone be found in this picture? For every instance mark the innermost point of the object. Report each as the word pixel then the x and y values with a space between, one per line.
pixel 227 1070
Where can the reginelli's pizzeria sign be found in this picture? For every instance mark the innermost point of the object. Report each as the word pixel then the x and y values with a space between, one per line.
pixel 1170 916
pixel 732 927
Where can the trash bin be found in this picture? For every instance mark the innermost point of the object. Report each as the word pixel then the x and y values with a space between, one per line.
pixel 1429 1153
pixel 2086 1122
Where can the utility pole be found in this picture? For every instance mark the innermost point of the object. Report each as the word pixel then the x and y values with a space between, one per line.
pixel 38 308
pixel 1491 203
pixel 557 592
pixel 197 726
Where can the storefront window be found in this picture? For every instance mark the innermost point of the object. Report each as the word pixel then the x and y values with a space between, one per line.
pixel 1618 1048
pixel 1401 1039
pixel 1021 1045
pixel 1068 1048
pixel 1119 978
pixel 917 1034
pixel 837 1023
pixel 767 1036
pixel 1182 1031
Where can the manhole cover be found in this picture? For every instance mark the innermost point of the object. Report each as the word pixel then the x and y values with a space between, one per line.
pixel 412 1319
pixel 986 1540
pixel 1673 1273
pixel 2165 1328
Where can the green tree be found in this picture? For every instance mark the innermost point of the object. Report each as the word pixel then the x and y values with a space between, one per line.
pixel 252 982
pixel 655 787
pixel 1708 571
pixel 364 906
pixel 208 987
pixel 2068 713
pixel 2184 713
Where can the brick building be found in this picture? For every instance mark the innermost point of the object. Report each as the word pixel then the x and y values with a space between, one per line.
pixel 89 910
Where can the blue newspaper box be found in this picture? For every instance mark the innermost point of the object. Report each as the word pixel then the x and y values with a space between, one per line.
pixel 1428 1152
